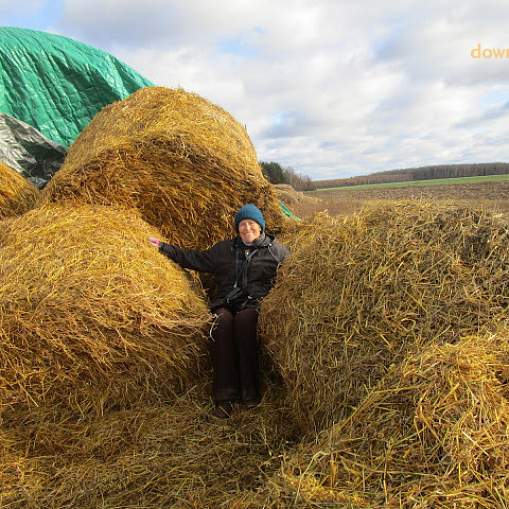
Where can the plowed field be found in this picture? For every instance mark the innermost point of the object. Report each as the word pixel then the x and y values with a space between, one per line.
pixel 489 195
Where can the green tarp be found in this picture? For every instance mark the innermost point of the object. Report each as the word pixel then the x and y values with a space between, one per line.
pixel 50 89
pixel 57 84
pixel 286 211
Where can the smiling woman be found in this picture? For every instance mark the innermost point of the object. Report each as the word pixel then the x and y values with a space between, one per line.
pixel 249 230
pixel 244 270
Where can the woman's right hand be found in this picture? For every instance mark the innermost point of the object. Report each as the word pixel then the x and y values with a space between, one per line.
pixel 155 242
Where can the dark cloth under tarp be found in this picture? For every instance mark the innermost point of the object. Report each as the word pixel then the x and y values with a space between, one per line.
pixel 27 151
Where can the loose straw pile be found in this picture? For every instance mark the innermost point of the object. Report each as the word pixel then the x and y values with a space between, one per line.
pixel 386 328
pixel 91 316
pixel 152 456
pixel 359 293
pixel 17 195
pixel 433 433
pixel 184 162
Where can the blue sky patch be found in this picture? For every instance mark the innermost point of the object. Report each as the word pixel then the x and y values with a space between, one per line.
pixel 37 19
pixel 235 46
pixel 495 97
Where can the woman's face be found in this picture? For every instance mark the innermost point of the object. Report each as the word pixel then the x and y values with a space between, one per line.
pixel 249 230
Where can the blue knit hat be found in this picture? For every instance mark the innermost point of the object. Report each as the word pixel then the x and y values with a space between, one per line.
pixel 249 211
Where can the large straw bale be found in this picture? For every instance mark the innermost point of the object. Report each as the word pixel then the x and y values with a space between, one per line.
pixel 359 292
pixel 184 162
pixel 91 316
pixel 292 197
pixel 17 195
pixel 432 434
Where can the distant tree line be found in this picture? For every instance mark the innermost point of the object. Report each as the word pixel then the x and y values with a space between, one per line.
pixel 440 171
pixel 276 174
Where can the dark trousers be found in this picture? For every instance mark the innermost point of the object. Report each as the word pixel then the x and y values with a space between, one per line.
pixel 234 355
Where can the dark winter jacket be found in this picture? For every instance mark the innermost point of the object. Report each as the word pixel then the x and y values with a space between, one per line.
pixel 225 259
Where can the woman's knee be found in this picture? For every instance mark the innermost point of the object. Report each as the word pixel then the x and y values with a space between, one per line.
pixel 223 324
pixel 223 315
pixel 246 317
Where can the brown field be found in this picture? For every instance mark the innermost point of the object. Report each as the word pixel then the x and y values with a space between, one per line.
pixel 489 195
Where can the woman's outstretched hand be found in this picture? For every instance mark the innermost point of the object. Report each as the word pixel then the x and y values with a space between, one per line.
pixel 155 242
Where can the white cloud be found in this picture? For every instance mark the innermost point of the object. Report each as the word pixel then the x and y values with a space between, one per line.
pixel 329 88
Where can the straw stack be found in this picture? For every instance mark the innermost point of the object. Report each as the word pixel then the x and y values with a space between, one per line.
pixel 17 195
pixel 359 293
pixel 184 162
pixel 433 433
pixel 91 315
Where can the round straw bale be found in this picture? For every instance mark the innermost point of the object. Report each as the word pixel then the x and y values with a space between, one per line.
pixel 433 433
pixel 359 292
pixel 184 162
pixel 17 195
pixel 287 194
pixel 91 315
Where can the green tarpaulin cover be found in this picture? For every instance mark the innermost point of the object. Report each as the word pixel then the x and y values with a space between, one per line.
pixel 56 84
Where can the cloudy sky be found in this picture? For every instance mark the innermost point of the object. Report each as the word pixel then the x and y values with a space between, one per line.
pixel 330 88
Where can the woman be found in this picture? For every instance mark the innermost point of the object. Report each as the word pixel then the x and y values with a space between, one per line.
pixel 244 269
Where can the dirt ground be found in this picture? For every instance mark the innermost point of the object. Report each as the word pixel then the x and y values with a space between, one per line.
pixel 486 195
